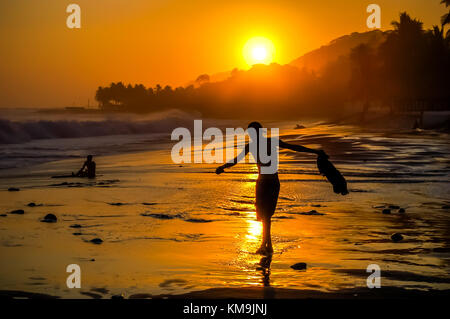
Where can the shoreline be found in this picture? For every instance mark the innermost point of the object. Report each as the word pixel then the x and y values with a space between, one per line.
pixel 375 122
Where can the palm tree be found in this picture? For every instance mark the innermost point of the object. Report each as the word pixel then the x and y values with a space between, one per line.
pixel 437 34
pixel 407 27
pixel 361 81
pixel 402 62
pixel 445 19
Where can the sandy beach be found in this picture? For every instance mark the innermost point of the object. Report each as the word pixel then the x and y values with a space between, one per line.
pixel 176 230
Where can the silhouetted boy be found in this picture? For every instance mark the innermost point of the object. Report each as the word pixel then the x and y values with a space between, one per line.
pixel 88 169
pixel 267 185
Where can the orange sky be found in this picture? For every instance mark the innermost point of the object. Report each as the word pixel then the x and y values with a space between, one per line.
pixel 45 64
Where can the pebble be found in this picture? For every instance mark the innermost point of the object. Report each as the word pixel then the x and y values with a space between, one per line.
pixel 97 241
pixel 13 189
pixel 116 204
pixel 396 237
pixel 49 218
pixel 75 226
pixel 386 211
pixel 299 266
pixel 401 210
pixel 18 212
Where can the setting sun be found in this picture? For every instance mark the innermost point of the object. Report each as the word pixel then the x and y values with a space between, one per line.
pixel 259 53
pixel 259 50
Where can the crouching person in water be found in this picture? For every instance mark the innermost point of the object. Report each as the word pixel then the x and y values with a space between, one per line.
pixel 88 168
pixel 267 184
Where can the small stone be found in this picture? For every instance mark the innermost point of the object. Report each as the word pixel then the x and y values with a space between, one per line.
pixel 33 204
pixel 401 210
pixel 18 212
pixel 396 237
pixel 386 211
pixel 96 241
pixel 299 266
pixel 13 189
pixel 49 218
pixel 394 207
pixel 76 234
pixel 3 215
pixel 76 226
pixel 93 259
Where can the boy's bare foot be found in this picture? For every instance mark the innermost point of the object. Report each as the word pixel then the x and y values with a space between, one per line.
pixel 265 251
pixel 262 251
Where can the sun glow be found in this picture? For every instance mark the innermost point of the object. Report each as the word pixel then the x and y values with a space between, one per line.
pixel 258 50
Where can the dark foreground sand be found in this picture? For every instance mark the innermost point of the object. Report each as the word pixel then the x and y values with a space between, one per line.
pixel 269 293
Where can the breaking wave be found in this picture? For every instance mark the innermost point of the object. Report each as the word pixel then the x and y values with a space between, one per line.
pixel 16 132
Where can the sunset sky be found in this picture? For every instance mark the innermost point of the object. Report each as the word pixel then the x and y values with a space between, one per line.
pixel 45 64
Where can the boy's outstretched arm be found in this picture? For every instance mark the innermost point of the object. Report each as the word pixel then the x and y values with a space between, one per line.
pixel 234 161
pixel 299 148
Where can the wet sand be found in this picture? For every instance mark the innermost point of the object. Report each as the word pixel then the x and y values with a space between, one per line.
pixel 171 230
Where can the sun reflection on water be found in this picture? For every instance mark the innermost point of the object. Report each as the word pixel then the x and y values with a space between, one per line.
pixel 254 228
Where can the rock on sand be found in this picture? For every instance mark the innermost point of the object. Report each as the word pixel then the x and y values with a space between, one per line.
pixel 396 237
pixel 97 241
pixel 17 212
pixel 49 218
pixel 299 266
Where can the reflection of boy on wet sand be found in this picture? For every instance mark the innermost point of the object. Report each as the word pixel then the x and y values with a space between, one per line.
pixel 88 168
pixel 267 185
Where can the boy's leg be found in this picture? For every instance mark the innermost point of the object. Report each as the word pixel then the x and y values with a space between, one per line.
pixel 264 234
pixel 268 236
pixel 262 248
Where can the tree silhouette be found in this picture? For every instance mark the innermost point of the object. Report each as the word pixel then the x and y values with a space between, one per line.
pixel 362 79
pixel 445 19
pixel 202 79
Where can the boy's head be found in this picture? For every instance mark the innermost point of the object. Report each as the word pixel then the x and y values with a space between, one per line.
pixel 255 125
pixel 89 158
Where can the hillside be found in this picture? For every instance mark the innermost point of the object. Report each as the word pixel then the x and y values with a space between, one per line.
pixel 317 59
